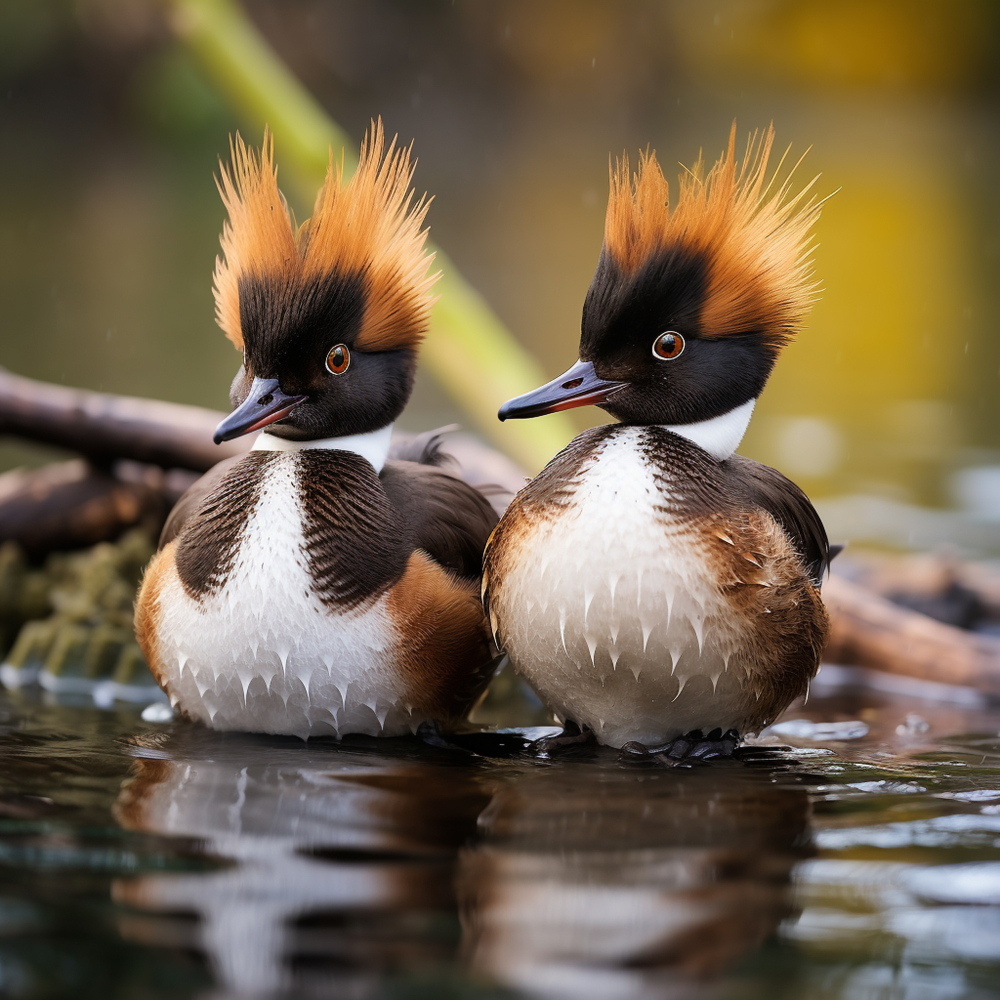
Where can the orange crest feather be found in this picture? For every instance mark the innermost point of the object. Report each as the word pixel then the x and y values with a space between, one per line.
pixel 369 226
pixel 756 240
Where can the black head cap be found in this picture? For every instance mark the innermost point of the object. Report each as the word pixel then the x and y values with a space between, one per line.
pixel 329 318
pixel 691 303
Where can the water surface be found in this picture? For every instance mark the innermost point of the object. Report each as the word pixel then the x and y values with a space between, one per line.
pixel 141 860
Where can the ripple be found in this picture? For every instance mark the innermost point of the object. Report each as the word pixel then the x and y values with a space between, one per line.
pixel 976 883
pixel 804 729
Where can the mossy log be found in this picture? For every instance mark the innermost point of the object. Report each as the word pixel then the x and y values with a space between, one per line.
pixel 67 624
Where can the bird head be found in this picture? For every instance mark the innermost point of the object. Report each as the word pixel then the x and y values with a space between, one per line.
pixel 691 302
pixel 328 316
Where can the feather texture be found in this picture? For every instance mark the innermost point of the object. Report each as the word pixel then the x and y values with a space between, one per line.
pixel 368 229
pixel 645 589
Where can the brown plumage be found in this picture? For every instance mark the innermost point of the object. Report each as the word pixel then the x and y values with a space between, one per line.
pixel 782 619
pixel 368 228
pixel 755 235
pixel 410 539
pixel 149 614
pixel 650 584
pixel 447 654
pixel 748 549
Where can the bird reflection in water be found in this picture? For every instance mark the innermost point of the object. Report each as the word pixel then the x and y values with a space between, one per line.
pixel 342 866
pixel 628 882
pixel 340 858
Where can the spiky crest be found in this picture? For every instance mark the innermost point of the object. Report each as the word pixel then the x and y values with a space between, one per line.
pixel 369 227
pixel 755 238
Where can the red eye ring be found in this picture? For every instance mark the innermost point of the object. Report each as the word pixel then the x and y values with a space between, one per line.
pixel 668 345
pixel 338 360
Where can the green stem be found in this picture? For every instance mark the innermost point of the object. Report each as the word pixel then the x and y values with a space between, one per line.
pixel 470 352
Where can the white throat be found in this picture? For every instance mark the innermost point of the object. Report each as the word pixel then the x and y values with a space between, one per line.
pixel 720 436
pixel 373 446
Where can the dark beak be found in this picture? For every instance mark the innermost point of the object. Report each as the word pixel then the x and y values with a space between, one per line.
pixel 265 404
pixel 580 386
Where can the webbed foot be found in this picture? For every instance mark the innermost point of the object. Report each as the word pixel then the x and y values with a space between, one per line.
pixel 572 735
pixel 686 749
pixel 503 744
pixel 431 734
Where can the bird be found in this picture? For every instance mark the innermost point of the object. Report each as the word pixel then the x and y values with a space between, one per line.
pixel 658 591
pixel 314 585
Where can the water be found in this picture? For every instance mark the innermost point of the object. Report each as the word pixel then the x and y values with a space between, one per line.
pixel 144 860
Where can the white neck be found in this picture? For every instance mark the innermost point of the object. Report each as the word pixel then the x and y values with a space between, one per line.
pixel 373 446
pixel 720 436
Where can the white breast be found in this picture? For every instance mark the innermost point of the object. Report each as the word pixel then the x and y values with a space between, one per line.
pixel 612 613
pixel 265 654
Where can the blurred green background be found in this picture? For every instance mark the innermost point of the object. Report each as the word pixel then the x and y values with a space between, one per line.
pixel 887 408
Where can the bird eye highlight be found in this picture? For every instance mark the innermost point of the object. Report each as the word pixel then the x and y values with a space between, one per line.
pixel 668 346
pixel 338 360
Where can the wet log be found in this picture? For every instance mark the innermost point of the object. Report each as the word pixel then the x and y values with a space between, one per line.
pixel 938 583
pixel 129 443
pixel 68 505
pixel 867 630
pixel 105 427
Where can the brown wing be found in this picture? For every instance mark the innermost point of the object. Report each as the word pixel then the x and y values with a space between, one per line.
pixel 447 655
pixel 495 544
pixel 424 449
pixel 445 517
pixel 761 486
pixel 191 500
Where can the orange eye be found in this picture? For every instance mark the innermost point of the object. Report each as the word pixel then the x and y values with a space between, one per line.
pixel 338 360
pixel 668 346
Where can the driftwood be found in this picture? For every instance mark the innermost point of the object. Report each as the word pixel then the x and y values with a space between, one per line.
pixel 868 630
pixel 134 451
pixel 67 505
pixel 129 442
pixel 104 427
pixel 939 583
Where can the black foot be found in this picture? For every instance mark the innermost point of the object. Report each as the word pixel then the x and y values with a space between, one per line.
pixel 476 743
pixel 430 733
pixel 572 735
pixel 686 749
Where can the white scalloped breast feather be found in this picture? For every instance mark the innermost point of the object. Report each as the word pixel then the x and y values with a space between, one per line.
pixel 611 612
pixel 265 654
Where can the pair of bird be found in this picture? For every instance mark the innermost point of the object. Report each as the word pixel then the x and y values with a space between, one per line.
pixel 657 590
